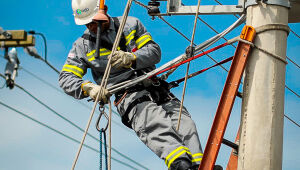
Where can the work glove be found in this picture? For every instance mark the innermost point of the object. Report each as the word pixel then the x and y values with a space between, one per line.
pixel 122 59
pixel 90 89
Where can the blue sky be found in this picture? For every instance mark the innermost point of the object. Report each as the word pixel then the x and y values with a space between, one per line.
pixel 27 145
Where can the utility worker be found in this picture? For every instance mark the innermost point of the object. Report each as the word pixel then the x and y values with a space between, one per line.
pixel 150 110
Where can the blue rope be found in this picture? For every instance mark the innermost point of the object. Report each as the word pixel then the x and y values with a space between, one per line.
pixel 105 150
pixel 100 158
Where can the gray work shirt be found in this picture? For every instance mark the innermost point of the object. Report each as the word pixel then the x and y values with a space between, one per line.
pixel 82 56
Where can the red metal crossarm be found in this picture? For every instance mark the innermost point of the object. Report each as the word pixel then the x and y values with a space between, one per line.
pixel 192 58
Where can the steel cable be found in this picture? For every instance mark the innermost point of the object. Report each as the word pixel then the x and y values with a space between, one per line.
pixel 73 124
pixel 79 102
pixel 190 54
pixel 291 120
pixel 61 133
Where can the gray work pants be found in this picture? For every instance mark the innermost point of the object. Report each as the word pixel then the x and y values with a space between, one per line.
pixel 155 125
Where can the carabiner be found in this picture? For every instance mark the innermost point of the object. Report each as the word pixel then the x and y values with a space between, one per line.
pixel 99 118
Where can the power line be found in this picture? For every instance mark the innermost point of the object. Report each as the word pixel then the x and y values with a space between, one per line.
pixel 232 44
pixel 293 62
pixel 139 3
pixel 83 104
pixel 72 123
pixel 60 133
pixel 295 33
pixel 57 89
pixel 292 91
pixel 291 120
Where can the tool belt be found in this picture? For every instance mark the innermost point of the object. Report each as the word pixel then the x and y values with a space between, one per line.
pixel 158 93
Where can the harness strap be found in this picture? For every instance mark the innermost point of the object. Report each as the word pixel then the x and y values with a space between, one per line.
pixel 125 119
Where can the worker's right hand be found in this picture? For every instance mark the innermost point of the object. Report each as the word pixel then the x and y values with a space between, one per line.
pixel 92 90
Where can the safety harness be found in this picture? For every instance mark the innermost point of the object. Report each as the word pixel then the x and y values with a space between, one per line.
pixel 159 93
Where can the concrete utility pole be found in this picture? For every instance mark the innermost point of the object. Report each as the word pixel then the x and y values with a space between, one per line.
pixel 263 100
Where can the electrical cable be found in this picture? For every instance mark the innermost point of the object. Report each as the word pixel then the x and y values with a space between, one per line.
pixel 46 52
pixel 59 90
pixel 61 133
pixel 237 17
pixel 292 91
pixel 295 33
pixel 72 123
pixel 235 47
pixel 78 101
pixel 179 32
pixel 222 37
pixel 291 120
pixel 293 61
pixel 189 55
pixel 222 4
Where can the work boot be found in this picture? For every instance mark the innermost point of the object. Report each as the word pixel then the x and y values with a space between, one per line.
pixel 181 164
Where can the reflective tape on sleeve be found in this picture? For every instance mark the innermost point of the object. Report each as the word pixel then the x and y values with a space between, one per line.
pixel 140 42
pixel 103 52
pixel 73 69
pixel 130 36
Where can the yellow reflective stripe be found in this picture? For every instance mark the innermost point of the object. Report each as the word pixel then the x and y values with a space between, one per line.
pixel 174 151
pixel 72 71
pixel 130 34
pixel 197 160
pixel 142 37
pixel 170 154
pixel 103 52
pixel 90 53
pixel 106 53
pixel 92 58
pixel 142 41
pixel 129 40
pixel 175 157
pixel 197 154
pixel 74 67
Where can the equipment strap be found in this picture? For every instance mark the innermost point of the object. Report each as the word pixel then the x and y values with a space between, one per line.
pixel 125 119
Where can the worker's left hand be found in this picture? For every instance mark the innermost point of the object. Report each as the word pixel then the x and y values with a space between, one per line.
pixel 122 59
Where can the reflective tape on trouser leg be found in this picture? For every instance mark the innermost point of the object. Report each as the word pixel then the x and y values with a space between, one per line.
pixel 154 126
pixel 187 130
pixel 178 152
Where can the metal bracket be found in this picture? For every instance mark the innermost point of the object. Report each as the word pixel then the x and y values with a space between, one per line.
pixel 284 3
pixel 175 7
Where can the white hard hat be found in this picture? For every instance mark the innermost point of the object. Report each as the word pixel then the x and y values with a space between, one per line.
pixel 84 11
